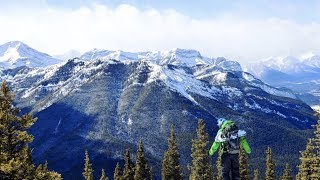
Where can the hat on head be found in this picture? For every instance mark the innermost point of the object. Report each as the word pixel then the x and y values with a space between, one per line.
pixel 220 121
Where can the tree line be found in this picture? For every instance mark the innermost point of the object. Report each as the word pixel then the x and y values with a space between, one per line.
pixel 16 156
pixel 201 167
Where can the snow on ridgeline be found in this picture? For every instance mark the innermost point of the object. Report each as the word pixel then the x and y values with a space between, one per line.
pixel 177 57
pixel 267 88
pixel 288 65
pixel 15 54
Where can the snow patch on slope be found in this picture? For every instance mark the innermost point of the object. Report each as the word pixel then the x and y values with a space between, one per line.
pixel 182 82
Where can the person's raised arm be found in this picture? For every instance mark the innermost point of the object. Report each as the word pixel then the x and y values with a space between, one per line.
pixel 214 148
pixel 245 145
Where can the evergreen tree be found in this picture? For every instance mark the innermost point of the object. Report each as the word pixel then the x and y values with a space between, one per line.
pixel 307 163
pixel 256 175
pixel 316 141
pixel 128 171
pixel 309 167
pixel 151 173
pixel 243 161
pixel 103 175
pixel 87 171
pixel 200 168
pixel 15 155
pixel 117 173
pixel 270 165
pixel 171 168
pixel 42 173
pixel 218 164
pixel 142 170
pixel 287 173
pixel 45 166
pixel 38 172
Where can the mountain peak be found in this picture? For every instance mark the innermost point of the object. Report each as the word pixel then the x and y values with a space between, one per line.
pixel 186 51
pixel 16 53
pixel 15 44
pixel 12 45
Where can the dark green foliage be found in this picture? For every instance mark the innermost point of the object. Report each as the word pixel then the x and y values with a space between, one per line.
pixel 316 141
pixel 142 169
pixel 287 173
pixel 256 175
pixel 117 172
pixel 15 155
pixel 151 174
pixel 307 166
pixel 103 175
pixel 201 167
pixel 15 159
pixel 317 137
pixel 243 161
pixel 270 165
pixel 128 171
pixel 218 164
pixel 171 168
pixel 87 171
pixel 42 173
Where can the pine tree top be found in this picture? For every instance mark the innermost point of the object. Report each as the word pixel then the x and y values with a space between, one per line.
pixel 128 170
pixel 172 144
pixel 256 175
pixel 87 171
pixel 103 175
pixel 117 172
pixel 270 175
pixel 287 173
pixel 201 166
pixel 171 168
pixel 142 170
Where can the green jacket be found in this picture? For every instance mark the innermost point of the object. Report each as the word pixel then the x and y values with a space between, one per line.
pixel 243 142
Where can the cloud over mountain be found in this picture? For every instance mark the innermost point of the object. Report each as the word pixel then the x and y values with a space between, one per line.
pixel 127 27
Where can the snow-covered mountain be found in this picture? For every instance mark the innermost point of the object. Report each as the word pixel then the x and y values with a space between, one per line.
pixel 289 65
pixel 15 54
pixel 178 57
pixel 105 101
pixel 300 75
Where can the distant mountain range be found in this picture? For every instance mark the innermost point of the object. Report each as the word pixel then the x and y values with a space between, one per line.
pixel 300 75
pixel 105 101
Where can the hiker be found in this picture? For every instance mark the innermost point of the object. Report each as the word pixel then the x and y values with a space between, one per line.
pixel 230 138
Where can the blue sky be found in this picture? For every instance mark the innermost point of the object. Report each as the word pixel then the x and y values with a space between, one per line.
pixel 298 10
pixel 239 29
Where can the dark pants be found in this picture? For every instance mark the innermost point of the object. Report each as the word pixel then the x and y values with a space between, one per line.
pixel 230 162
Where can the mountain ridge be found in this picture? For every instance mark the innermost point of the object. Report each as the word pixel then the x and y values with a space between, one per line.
pixel 16 53
pixel 300 75
pixel 110 102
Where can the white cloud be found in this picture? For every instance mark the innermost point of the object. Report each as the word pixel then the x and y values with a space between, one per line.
pixel 125 27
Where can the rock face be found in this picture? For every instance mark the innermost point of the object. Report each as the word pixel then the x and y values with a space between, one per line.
pixel 105 101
